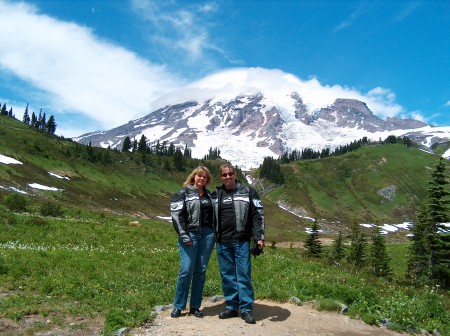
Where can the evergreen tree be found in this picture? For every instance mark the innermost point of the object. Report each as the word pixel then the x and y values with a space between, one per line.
pixel 142 145
pixel 358 244
pixel 10 113
pixel 38 124
pixel 379 259
pixel 271 170
pixel 44 121
pixel 126 146
pixel 171 150
pixel 417 268
pixel 26 116
pixel 313 246
pixel 429 258
pixel 178 160
pixel 213 154
pixel 90 152
pixel 337 252
pixel 187 152
pixel 51 125
pixel 4 111
pixel 33 121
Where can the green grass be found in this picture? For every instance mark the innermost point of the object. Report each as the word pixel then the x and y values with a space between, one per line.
pixel 347 187
pixel 98 265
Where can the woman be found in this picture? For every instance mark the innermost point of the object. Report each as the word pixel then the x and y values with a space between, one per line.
pixel 192 216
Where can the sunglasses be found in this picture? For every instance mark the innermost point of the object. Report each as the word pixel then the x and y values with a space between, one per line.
pixel 225 174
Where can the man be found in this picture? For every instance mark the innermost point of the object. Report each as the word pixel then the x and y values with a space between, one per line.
pixel 239 218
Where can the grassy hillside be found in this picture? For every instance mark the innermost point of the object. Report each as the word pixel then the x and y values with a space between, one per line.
pixel 374 184
pixel 340 190
pixel 112 182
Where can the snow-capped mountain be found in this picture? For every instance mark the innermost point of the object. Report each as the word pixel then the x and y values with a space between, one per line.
pixel 251 122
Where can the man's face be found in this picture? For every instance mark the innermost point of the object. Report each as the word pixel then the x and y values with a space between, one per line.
pixel 228 178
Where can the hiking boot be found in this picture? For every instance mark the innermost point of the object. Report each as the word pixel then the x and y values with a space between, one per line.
pixel 196 312
pixel 175 313
pixel 248 317
pixel 228 313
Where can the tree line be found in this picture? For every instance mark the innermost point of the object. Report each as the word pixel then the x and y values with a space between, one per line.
pixel 39 122
pixel 308 153
pixel 270 168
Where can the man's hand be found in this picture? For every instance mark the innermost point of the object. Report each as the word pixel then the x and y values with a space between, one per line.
pixel 257 248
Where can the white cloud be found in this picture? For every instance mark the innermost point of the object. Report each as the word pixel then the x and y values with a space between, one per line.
pixel 77 70
pixel 447 104
pixel 180 26
pixel 227 84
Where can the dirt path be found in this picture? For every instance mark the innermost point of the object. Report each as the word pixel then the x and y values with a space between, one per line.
pixel 272 319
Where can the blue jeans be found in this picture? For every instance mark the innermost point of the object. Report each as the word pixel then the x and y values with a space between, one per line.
pixel 236 272
pixel 193 262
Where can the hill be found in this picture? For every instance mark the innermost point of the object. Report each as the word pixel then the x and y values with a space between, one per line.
pixel 375 184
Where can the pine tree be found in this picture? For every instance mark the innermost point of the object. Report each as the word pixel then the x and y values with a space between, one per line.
pixel 187 152
pixel 33 120
pixel 142 145
pixel 171 150
pixel 429 258
pixel 126 146
pixel 26 116
pixel 358 244
pixel 178 160
pixel 271 170
pixel 379 259
pixel 418 261
pixel 50 126
pixel 4 111
pixel 313 246
pixel 337 251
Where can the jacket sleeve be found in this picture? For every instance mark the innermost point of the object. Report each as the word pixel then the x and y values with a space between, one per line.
pixel 257 216
pixel 178 212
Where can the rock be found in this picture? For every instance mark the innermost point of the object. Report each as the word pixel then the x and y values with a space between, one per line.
pixel 295 300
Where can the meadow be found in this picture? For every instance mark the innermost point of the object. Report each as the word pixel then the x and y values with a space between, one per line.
pixel 97 265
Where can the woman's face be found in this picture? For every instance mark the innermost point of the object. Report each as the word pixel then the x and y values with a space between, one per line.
pixel 200 179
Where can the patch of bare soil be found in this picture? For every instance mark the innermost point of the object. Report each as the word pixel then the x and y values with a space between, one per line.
pixel 272 319
pixel 42 326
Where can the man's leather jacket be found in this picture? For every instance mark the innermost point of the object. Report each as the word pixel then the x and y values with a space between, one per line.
pixel 248 211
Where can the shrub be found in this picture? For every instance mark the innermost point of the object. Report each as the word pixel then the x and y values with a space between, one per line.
pixel 51 209
pixel 16 202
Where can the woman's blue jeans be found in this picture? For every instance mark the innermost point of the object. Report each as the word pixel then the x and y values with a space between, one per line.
pixel 236 272
pixel 193 262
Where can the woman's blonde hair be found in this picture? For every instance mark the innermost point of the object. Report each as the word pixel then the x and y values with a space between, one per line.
pixel 191 177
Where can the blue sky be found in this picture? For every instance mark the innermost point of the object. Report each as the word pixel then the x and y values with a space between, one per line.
pixel 96 64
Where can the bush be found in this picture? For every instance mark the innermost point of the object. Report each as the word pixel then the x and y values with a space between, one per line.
pixel 16 202
pixel 51 209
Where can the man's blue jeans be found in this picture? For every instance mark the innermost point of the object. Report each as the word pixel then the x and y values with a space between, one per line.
pixel 236 272
pixel 193 262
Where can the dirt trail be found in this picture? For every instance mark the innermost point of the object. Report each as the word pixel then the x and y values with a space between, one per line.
pixel 272 319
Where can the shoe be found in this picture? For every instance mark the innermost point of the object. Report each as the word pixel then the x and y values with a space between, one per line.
pixel 248 317
pixel 196 312
pixel 175 313
pixel 228 313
